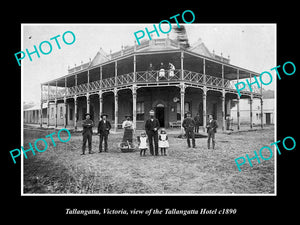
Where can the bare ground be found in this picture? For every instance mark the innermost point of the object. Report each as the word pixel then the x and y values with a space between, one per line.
pixel 63 170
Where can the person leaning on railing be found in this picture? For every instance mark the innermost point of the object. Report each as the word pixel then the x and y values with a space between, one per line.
pixel 171 70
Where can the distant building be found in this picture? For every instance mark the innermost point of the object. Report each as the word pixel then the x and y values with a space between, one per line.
pixel 268 110
pixel 32 114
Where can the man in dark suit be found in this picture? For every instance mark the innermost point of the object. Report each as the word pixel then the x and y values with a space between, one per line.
pixel 87 133
pixel 189 125
pixel 151 127
pixel 103 130
pixel 211 130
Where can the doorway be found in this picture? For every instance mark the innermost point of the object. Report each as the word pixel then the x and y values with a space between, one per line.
pixel 160 114
pixel 268 118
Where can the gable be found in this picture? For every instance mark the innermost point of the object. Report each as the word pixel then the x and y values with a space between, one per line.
pixel 201 49
pixel 100 57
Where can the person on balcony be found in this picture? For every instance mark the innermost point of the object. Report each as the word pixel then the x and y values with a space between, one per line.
pixel 161 71
pixel 127 125
pixel 150 68
pixel 87 133
pixel 171 70
pixel 103 130
pixel 151 73
pixel 152 126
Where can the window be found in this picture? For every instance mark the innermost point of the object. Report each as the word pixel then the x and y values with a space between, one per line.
pixel 52 113
pixel 186 109
pixel 61 112
pixel 258 116
pixel 140 113
pixel 178 111
pixel 71 114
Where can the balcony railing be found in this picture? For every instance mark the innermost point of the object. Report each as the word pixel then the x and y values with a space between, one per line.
pixel 125 79
pixel 193 76
pixel 143 77
pixel 157 76
pixel 214 81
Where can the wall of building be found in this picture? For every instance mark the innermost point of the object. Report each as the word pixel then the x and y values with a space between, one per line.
pixel 59 112
pixel 268 108
pixel 33 116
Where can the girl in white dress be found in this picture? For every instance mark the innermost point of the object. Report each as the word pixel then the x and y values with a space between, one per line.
pixel 163 142
pixel 143 143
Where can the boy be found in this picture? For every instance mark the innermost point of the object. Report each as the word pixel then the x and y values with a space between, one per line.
pixel 211 130
pixel 103 129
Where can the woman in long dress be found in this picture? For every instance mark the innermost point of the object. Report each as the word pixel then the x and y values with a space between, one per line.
pixel 128 130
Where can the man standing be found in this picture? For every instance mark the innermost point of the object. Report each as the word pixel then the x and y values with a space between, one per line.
pixel 197 122
pixel 103 129
pixel 87 133
pixel 151 127
pixel 211 130
pixel 189 125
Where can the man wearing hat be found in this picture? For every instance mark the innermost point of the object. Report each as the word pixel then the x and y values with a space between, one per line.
pixel 151 127
pixel 87 133
pixel 189 125
pixel 103 129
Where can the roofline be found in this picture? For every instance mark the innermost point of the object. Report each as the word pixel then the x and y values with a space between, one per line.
pixel 223 63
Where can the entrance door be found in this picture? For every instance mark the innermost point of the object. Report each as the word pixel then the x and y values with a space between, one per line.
pixel 268 118
pixel 160 114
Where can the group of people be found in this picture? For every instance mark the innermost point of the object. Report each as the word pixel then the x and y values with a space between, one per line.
pixel 153 137
pixel 189 125
pixel 104 127
pixel 162 70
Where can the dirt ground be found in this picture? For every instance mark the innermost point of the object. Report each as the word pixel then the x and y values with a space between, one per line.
pixel 62 170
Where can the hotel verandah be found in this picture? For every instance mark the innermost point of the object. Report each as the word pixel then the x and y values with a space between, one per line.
pixel 120 84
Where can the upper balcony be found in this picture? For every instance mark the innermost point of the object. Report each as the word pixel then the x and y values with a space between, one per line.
pixel 195 66
pixel 144 78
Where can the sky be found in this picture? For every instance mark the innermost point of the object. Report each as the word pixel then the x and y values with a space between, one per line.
pixel 250 46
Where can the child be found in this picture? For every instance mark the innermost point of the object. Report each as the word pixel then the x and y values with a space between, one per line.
pixel 163 141
pixel 143 143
